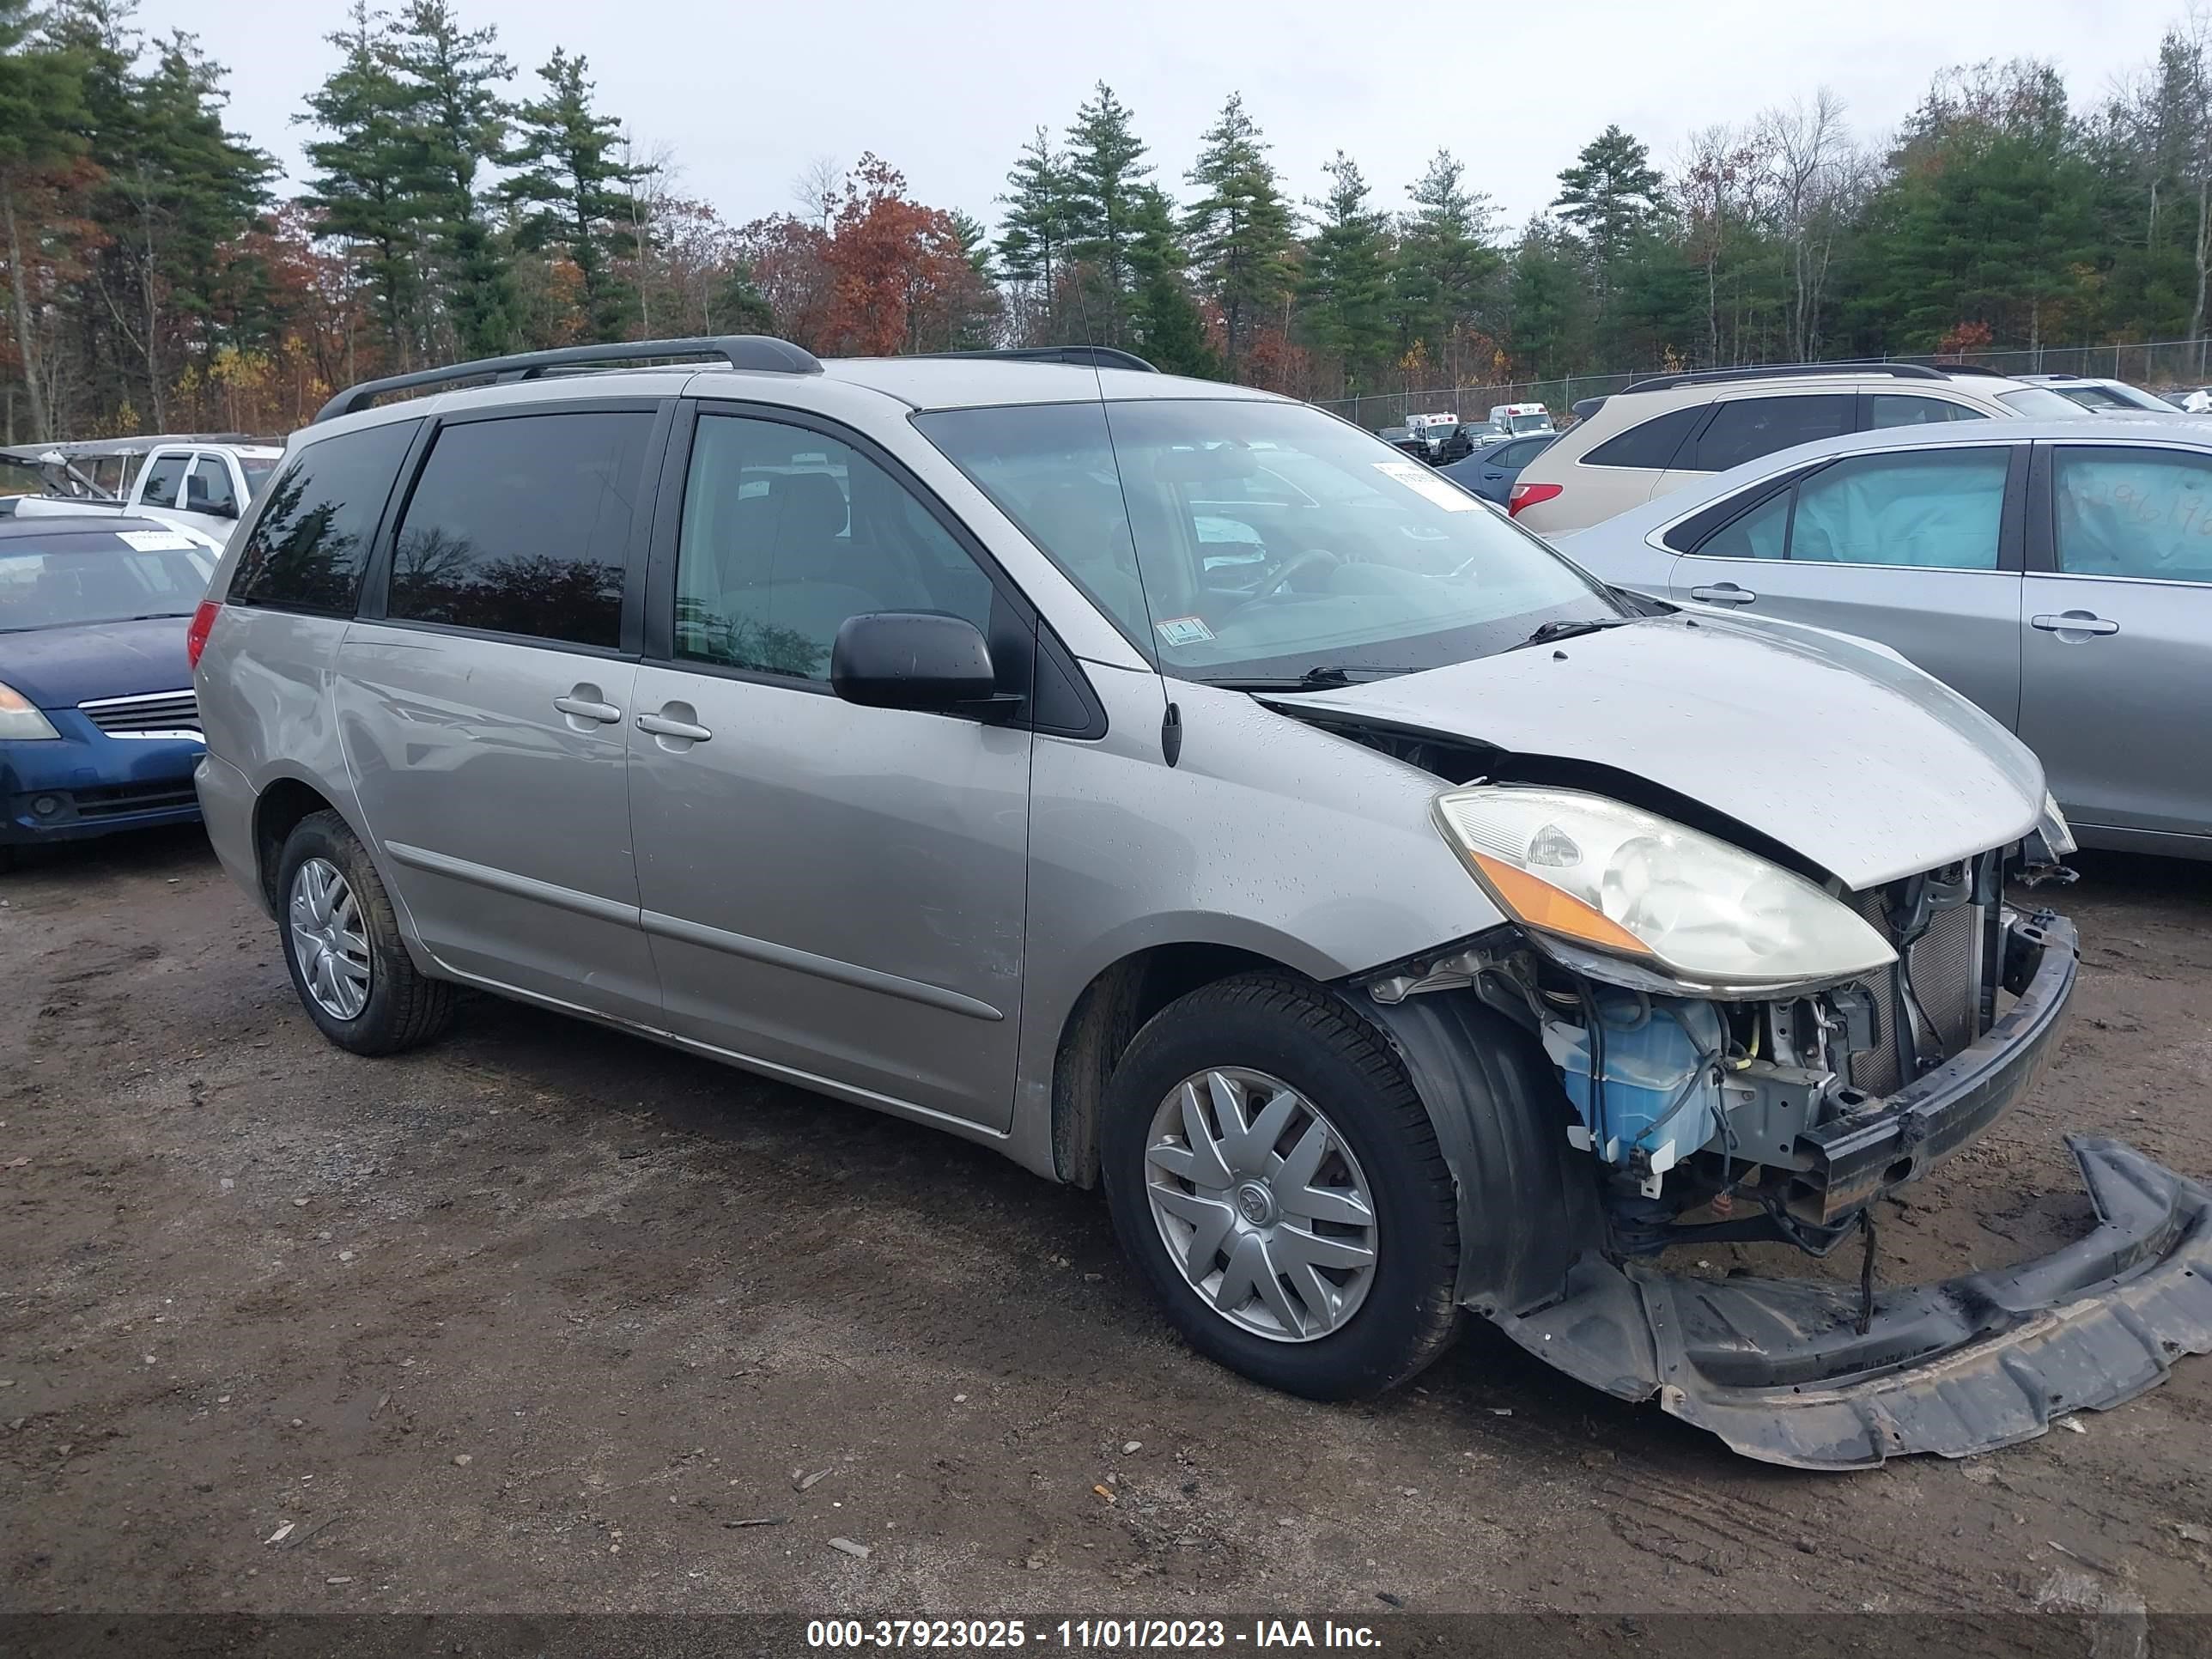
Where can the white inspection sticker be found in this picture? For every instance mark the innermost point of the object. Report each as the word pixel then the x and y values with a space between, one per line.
pixel 1183 630
pixel 155 541
pixel 1422 482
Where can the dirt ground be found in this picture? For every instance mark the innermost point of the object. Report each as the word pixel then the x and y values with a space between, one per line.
pixel 532 1320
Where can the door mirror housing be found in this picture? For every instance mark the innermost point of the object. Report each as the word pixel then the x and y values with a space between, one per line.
pixel 913 659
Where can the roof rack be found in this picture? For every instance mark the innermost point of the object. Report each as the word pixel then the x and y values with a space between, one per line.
pixel 1082 357
pixel 754 351
pixel 1973 369
pixel 1777 371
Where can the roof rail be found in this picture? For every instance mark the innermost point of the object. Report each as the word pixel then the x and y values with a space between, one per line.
pixel 1973 369
pixel 1778 371
pixel 1082 357
pixel 755 351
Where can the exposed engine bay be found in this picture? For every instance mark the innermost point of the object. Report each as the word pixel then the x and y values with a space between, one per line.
pixel 1639 1112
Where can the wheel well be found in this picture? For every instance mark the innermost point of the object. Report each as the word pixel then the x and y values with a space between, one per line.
pixel 1111 1011
pixel 279 810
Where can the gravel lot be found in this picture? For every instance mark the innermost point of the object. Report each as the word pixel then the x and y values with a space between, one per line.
pixel 528 1320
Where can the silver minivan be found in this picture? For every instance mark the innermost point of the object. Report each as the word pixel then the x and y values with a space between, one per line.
pixel 1395 922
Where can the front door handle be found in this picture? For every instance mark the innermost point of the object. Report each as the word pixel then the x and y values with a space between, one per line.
pixel 586 705
pixel 674 726
pixel 1724 593
pixel 2074 622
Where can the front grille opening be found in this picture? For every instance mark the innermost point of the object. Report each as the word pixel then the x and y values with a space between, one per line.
pixel 1953 971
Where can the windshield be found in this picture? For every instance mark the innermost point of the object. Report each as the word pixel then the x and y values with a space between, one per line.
pixel 1231 539
pixel 82 576
pixel 2041 403
pixel 1531 423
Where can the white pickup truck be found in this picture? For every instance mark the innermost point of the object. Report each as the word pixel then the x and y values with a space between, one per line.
pixel 202 484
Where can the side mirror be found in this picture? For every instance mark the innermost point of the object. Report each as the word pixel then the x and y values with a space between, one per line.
pixel 912 660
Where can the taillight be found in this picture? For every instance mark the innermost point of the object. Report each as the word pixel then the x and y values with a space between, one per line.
pixel 196 635
pixel 1528 496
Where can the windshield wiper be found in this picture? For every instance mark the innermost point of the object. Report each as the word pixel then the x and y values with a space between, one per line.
pixel 1566 627
pixel 1321 676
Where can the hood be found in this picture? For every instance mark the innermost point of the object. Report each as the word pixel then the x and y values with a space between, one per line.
pixel 1839 750
pixel 61 667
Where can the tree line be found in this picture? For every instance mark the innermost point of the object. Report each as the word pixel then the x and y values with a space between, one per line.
pixel 452 206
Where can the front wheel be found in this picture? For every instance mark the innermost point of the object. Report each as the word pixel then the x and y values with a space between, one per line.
pixel 1277 1181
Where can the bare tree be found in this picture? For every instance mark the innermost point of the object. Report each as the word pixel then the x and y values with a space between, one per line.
pixel 1809 154
pixel 817 188
pixel 657 172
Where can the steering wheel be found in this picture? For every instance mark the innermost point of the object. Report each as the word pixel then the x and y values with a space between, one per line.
pixel 1313 558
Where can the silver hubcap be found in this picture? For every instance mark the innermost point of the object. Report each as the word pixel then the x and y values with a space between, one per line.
pixel 328 939
pixel 1261 1204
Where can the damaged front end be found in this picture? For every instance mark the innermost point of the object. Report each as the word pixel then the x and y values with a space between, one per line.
pixel 1655 1117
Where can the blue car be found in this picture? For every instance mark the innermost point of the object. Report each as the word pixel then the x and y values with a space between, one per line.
pixel 99 728
pixel 1490 470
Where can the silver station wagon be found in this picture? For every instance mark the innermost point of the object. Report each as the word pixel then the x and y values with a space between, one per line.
pixel 1190 795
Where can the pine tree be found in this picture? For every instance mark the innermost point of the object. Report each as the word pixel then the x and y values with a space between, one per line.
pixel 1107 174
pixel 1346 290
pixel 359 186
pixel 575 188
pixel 1611 193
pixel 41 109
pixel 1446 265
pixel 1170 331
pixel 1034 235
pixel 456 124
pixel 1240 229
pixel 175 185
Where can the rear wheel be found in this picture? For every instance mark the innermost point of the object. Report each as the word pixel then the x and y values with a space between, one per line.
pixel 341 944
pixel 1277 1181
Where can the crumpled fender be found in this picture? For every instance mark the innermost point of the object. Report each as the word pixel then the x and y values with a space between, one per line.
pixel 1778 1368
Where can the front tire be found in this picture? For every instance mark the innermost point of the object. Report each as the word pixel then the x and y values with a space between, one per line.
pixel 341 944
pixel 1278 1183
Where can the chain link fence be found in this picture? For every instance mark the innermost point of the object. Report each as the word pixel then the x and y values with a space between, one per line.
pixel 2156 366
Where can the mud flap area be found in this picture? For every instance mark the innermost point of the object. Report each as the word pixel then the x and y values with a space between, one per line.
pixel 1779 1370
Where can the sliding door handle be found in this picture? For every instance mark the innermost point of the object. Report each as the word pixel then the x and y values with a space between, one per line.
pixel 2074 622
pixel 666 725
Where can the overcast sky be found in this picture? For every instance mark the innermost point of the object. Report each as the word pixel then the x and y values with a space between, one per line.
pixel 747 94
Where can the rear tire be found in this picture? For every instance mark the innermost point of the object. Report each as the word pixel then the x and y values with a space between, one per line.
pixel 1325 1328
pixel 341 944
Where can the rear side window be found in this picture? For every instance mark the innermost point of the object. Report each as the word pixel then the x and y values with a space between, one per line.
pixel 1748 427
pixel 307 548
pixel 523 525
pixel 1886 409
pixel 2141 512
pixel 1520 452
pixel 1652 444
pixel 163 475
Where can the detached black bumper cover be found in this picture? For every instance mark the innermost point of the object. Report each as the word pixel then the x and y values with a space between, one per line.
pixel 1778 1368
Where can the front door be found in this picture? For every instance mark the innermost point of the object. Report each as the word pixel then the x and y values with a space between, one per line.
pixel 2115 693
pixel 832 892
pixel 484 714
pixel 1913 548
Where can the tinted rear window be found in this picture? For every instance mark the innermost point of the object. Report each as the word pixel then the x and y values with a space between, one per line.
pixel 522 526
pixel 1748 428
pixel 1651 444
pixel 307 550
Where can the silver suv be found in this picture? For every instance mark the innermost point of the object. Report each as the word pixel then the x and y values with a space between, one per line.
pixel 1182 791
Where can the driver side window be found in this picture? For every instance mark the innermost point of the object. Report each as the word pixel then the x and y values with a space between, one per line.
pixel 786 532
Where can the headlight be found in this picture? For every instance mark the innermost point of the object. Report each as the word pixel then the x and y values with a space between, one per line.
pixel 1613 879
pixel 21 720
